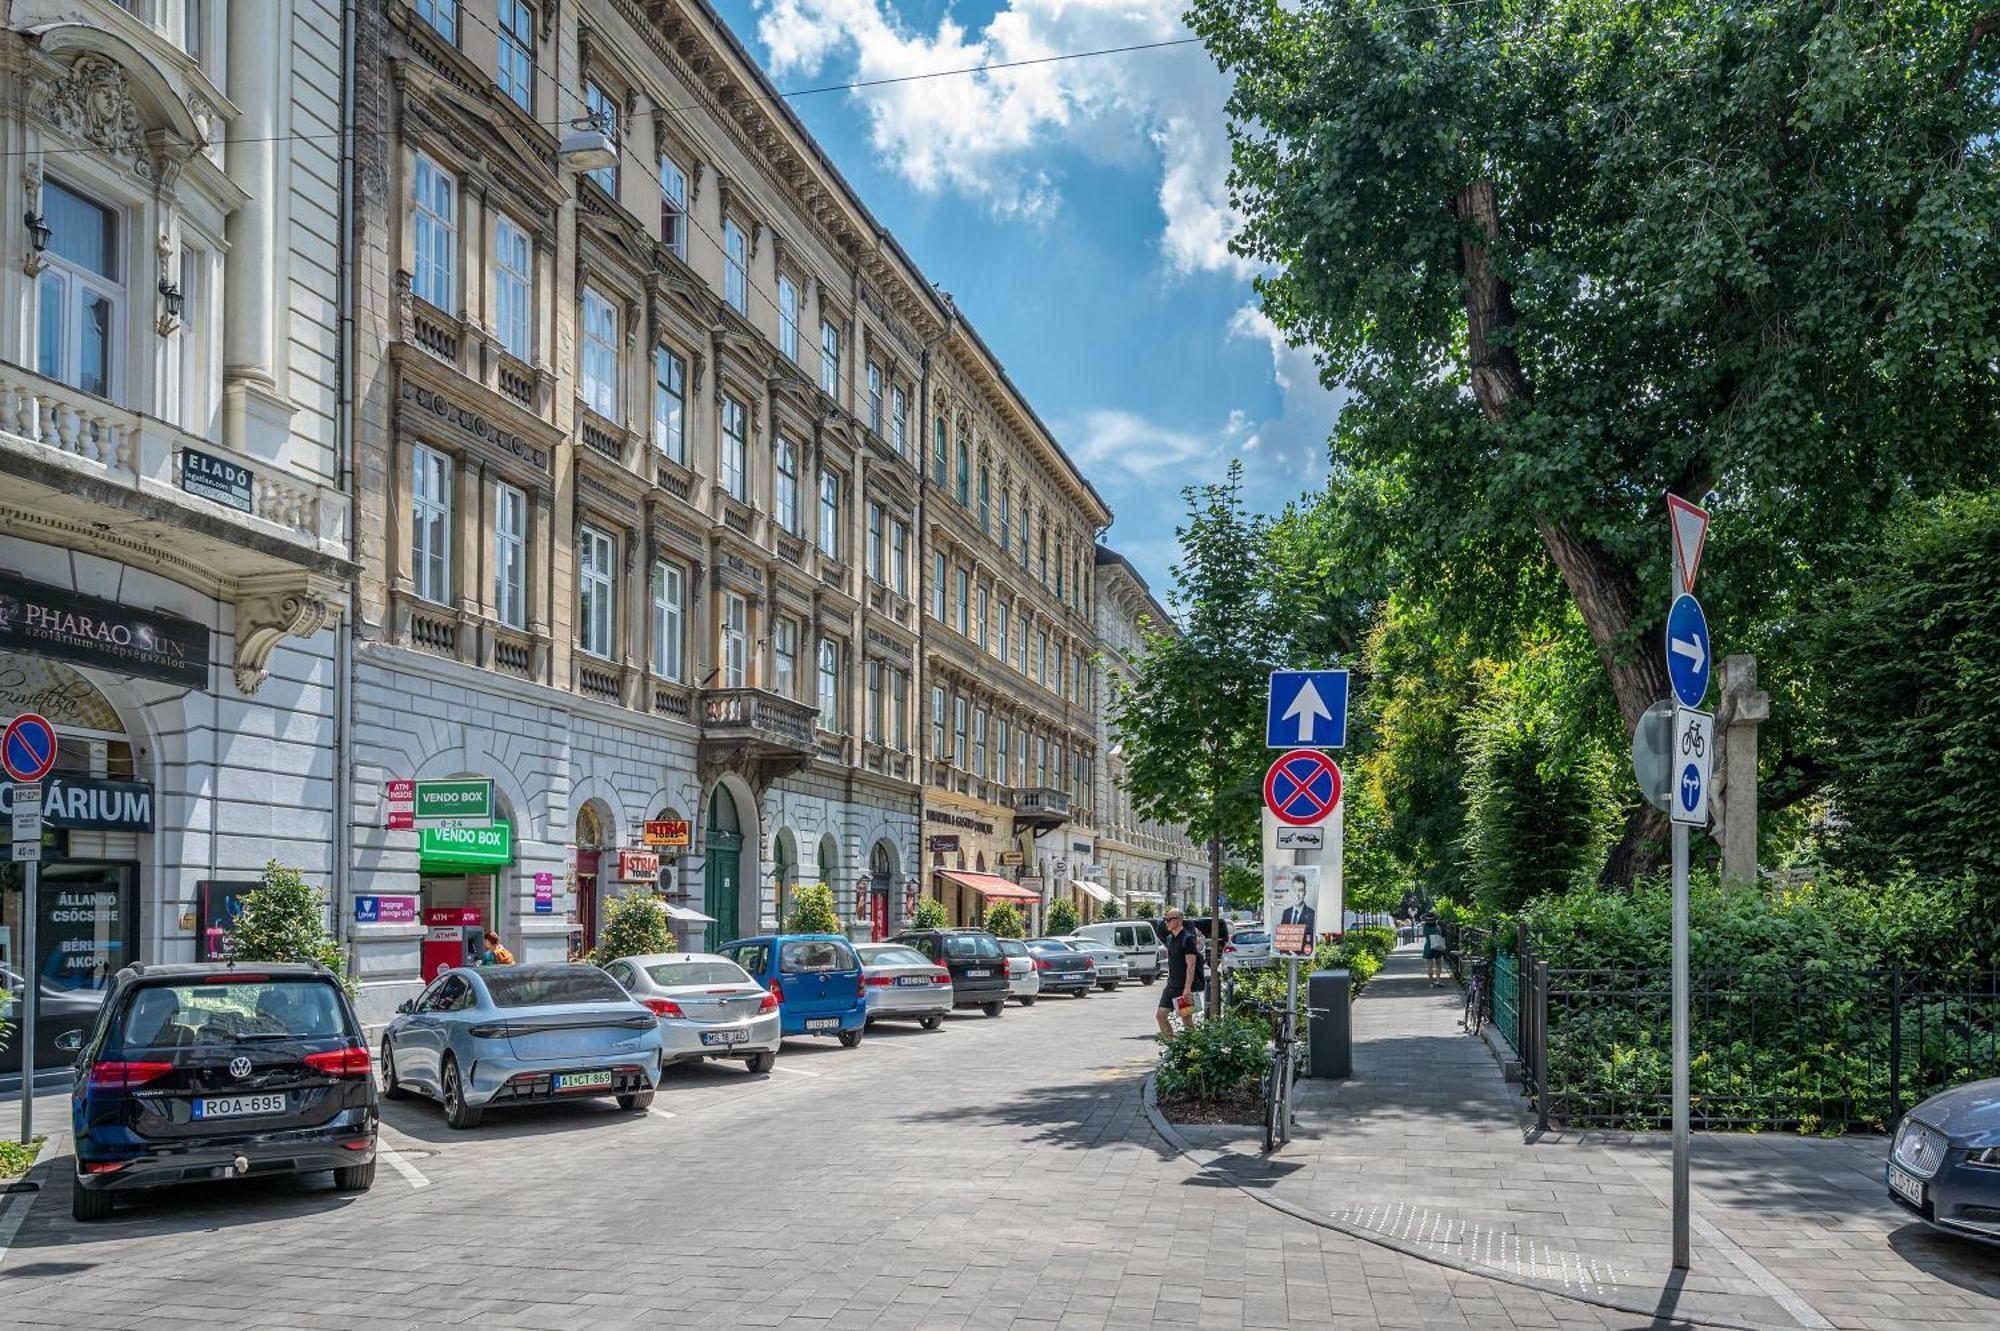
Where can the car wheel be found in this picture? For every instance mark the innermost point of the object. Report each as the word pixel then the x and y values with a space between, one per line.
pixel 762 1063
pixel 86 1206
pixel 391 1088
pixel 355 1178
pixel 850 1039
pixel 992 1009
pixel 1147 979
pixel 1028 1000
pixel 932 1023
pixel 456 1112
pixel 1082 993
pixel 637 1100
pixel 1107 985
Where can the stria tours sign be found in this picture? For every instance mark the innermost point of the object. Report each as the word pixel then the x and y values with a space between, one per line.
pixel 90 804
pixel 39 620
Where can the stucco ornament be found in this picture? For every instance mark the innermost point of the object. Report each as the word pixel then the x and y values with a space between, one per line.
pixel 94 105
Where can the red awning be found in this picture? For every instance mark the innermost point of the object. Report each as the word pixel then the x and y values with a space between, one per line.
pixel 992 886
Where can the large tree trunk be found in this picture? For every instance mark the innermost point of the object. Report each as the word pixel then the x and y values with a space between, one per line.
pixel 1603 588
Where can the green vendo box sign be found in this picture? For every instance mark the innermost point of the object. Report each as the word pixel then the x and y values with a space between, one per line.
pixel 465 849
pixel 458 803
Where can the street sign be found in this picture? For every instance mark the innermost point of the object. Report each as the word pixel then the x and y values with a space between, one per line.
pixel 1302 788
pixel 1693 752
pixel 1688 655
pixel 667 833
pixel 459 803
pixel 28 748
pixel 1651 740
pixel 1301 838
pixel 1690 526
pixel 399 805
pixel 1307 709
pixel 27 820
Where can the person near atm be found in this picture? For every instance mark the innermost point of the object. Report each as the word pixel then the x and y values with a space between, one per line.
pixel 496 953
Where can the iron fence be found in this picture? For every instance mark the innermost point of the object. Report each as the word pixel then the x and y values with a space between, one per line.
pixel 1817 1050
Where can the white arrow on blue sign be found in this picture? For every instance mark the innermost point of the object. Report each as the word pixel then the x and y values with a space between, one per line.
pixel 1307 710
pixel 1688 656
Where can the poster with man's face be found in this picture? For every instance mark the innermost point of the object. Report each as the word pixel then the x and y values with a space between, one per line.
pixel 1291 908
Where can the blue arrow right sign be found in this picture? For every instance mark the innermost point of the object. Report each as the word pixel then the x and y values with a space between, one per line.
pixel 1688 655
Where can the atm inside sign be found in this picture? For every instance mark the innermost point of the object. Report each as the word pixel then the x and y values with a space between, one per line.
pixel 454 804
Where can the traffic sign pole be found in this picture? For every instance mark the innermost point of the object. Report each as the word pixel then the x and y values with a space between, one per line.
pixel 27 752
pixel 31 984
pixel 1680 591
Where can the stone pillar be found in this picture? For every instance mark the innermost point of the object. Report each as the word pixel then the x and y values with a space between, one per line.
pixel 255 418
pixel 1744 708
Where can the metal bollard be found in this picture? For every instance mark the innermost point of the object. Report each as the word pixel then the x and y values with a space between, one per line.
pixel 1329 1025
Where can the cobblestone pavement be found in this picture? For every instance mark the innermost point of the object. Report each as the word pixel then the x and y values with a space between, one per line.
pixel 1425 1148
pixel 998 1173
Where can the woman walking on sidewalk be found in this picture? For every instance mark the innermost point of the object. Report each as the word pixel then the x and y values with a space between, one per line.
pixel 1434 948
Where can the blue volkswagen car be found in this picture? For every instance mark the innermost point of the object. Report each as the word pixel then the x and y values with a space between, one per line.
pixel 505 1035
pixel 816 979
pixel 1944 1165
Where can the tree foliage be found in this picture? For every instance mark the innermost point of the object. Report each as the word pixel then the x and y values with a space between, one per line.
pixel 285 919
pixel 1004 921
pixel 930 914
pixel 812 911
pixel 635 925
pixel 1063 919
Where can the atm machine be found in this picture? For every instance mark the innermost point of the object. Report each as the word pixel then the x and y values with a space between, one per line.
pixel 453 936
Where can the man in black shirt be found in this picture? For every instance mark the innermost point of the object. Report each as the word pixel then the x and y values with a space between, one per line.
pixel 1183 973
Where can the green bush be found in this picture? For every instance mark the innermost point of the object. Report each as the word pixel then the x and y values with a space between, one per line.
pixel 812 911
pixel 1004 921
pixel 930 914
pixel 284 919
pixel 1063 918
pixel 1214 1060
pixel 635 925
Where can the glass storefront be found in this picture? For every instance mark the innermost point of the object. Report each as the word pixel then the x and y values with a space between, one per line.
pixel 87 927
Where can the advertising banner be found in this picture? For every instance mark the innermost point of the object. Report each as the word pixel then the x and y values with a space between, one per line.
pixel 1296 911
pixel 41 620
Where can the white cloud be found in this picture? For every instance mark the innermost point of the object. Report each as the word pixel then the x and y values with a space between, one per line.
pixel 988 135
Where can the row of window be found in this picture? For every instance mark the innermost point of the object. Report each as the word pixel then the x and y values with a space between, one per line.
pixel 1068 554
pixel 988 620
pixel 973 740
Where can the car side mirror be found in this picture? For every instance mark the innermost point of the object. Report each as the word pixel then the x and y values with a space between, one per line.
pixel 407 1006
pixel 69 1041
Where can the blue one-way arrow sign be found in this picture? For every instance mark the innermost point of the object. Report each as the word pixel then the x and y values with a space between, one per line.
pixel 1307 710
pixel 1688 657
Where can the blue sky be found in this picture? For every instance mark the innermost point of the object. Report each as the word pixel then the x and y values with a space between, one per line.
pixel 1077 211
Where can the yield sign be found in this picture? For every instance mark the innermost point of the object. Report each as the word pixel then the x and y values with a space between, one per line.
pixel 1690 526
pixel 1302 788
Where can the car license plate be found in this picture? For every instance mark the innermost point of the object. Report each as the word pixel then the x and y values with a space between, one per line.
pixel 239 1106
pixel 1909 1188
pixel 913 979
pixel 977 975
pixel 724 1037
pixel 823 1024
pixel 581 1081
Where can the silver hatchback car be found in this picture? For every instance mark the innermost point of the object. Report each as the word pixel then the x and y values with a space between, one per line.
pixel 708 1007
pixel 904 985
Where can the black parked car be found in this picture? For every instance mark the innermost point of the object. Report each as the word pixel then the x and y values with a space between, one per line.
pixel 1945 1162
pixel 1064 970
pixel 973 956
pixel 217 1071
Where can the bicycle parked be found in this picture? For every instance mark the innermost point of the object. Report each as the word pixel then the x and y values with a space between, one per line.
pixel 1476 997
pixel 1287 1049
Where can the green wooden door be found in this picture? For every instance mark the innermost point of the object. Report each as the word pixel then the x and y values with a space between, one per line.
pixel 722 869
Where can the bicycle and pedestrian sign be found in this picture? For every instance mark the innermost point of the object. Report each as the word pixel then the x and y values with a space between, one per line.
pixel 1691 761
pixel 1302 788
pixel 1306 709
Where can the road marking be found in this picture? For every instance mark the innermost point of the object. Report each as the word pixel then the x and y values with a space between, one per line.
pixel 400 1165
pixel 23 1202
pixel 796 1072
pixel 658 1112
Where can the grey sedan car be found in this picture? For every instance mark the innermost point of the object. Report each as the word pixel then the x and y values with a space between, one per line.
pixel 1944 1165
pixel 1112 969
pixel 903 984
pixel 504 1035
pixel 707 1006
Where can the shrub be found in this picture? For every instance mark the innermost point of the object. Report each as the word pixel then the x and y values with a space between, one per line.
pixel 284 919
pixel 1063 918
pixel 1004 921
pixel 636 925
pixel 1214 1060
pixel 812 911
pixel 1113 911
pixel 930 914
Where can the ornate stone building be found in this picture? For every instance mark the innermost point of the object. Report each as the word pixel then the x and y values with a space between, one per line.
pixel 173 527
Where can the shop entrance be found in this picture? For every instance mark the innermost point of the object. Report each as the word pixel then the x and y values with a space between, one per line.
pixel 722 868
pixel 590 841
pixel 881 881
pixel 86 929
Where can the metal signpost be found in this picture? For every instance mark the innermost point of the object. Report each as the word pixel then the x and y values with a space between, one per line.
pixel 1689 656
pixel 27 752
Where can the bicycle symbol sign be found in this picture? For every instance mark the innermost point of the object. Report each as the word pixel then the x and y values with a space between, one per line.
pixel 1302 788
pixel 1696 751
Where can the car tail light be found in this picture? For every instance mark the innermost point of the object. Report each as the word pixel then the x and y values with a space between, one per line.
pixel 493 1031
pixel 1090 963
pixel 119 1076
pixel 104 1167
pixel 880 981
pixel 663 1007
pixel 235 977
pixel 777 990
pixel 1229 947
pixel 942 977
pixel 1041 963
pixel 860 983
pixel 769 1003
pixel 349 1062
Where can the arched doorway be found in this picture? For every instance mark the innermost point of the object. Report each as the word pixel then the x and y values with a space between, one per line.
pixel 784 871
pixel 882 876
pixel 591 838
pixel 722 866
pixel 829 861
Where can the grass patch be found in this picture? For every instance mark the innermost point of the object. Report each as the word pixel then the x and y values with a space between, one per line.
pixel 15 1158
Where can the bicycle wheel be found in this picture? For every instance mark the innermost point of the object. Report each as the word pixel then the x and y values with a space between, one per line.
pixel 1287 1076
pixel 1271 1107
pixel 1465 1017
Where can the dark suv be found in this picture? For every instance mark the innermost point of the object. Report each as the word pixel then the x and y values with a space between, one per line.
pixel 978 967
pixel 217 1071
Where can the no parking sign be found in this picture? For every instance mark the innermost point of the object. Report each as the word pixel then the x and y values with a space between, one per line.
pixel 1302 788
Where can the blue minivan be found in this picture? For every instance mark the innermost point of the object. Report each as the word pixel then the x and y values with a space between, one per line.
pixel 816 979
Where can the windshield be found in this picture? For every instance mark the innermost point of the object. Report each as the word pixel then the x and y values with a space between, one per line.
pixel 1251 936
pixel 800 956
pixel 1049 947
pixel 671 973
pixel 223 1012
pixel 894 956
pixel 1014 947
pixel 537 986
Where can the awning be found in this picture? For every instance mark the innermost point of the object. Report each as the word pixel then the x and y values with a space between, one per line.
pixel 1098 894
pixel 1150 898
pixel 992 886
pixel 687 914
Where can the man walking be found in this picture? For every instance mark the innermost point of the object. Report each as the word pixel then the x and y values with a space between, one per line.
pixel 1183 974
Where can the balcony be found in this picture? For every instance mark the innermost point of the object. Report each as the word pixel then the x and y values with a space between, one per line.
pixel 752 728
pixel 1040 808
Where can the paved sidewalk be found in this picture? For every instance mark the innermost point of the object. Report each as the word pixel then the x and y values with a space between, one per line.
pixel 1426 1149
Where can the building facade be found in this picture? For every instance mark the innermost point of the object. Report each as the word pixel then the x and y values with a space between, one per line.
pixel 1148 865
pixel 174 549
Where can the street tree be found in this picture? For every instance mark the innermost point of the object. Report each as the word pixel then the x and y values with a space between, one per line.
pixel 813 911
pixel 285 919
pixel 1063 919
pixel 1191 716
pixel 1566 256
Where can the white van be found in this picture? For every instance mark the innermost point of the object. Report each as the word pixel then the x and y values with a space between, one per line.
pixel 1135 939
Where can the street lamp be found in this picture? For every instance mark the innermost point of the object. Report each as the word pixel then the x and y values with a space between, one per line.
pixel 38 231
pixel 589 146
pixel 170 307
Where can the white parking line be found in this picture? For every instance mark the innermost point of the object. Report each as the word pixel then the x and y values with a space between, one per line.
pixel 21 1203
pixel 396 1162
pixel 796 1072
pixel 658 1112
